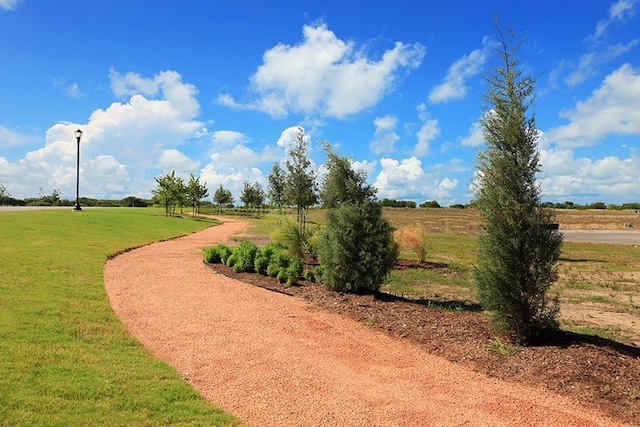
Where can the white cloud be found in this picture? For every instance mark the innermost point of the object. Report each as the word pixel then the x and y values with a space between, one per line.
pixel 600 48
pixel 10 138
pixel 588 63
pixel 229 137
pixel 123 145
pixel 385 136
pixel 445 188
pixel 454 84
pixel 474 137
pixel 73 91
pixel 8 4
pixel 167 84
pixel 325 75
pixel 565 176
pixel 429 131
pixel 619 11
pixel 613 108
pixel 398 179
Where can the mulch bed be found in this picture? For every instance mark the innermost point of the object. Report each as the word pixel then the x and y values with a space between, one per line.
pixel 594 371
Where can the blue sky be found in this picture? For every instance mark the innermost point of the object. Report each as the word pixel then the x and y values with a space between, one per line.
pixel 218 89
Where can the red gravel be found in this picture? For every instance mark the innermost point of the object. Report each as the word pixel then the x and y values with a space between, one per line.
pixel 275 360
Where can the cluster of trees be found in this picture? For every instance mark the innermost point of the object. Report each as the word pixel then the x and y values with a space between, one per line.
pixel 172 193
pixel 54 199
pixel 596 205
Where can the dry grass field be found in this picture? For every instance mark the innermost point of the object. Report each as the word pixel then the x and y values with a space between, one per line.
pixel 599 284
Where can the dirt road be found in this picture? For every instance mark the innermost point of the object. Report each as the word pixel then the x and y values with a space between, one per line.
pixel 272 360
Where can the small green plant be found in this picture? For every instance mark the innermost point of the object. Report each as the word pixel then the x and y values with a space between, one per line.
pixel 273 270
pixel 371 321
pixel 282 276
pixel 246 257
pixel 310 275
pixel 217 254
pixel 294 271
pixel 499 347
pixel 633 394
pixel 231 260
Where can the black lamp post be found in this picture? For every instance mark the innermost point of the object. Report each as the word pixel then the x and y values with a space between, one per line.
pixel 77 207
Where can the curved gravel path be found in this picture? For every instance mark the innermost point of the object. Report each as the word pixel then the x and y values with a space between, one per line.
pixel 273 360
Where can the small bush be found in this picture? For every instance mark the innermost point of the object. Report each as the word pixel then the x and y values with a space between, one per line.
pixel 310 275
pixel 294 271
pixel 246 257
pixel 273 270
pixel 261 264
pixel 231 260
pixel 217 254
pixel 282 276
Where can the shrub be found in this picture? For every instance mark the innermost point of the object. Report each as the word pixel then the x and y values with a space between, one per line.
pixel 261 264
pixel 273 270
pixel 357 250
pixel 282 276
pixel 294 271
pixel 246 257
pixel 231 260
pixel 310 275
pixel 217 254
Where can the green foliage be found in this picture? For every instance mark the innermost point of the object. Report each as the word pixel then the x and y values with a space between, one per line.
pixel 273 270
pixel 245 255
pixel 217 254
pixel 231 260
pixel 310 275
pixel 222 197
pixel 252 195
pixel 300 180
pixel 358 251
pixel 430 204
pixel 294 271
pixel 282 276
pixel 293 238
pixel 517 250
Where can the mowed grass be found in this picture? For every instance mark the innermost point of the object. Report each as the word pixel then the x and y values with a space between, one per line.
pixel 65 358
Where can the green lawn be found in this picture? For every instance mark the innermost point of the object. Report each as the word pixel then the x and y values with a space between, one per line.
pixel 65 358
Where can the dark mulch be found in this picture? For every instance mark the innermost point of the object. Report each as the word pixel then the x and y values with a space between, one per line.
pixel 594 371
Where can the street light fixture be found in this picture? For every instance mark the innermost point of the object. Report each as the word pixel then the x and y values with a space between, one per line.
pixel 77 207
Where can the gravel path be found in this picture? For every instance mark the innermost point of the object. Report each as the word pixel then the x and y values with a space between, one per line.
pixel 273 360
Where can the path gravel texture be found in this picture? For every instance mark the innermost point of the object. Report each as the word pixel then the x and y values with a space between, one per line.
pixel 273 360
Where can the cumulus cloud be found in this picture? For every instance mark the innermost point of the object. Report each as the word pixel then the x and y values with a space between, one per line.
pixel 324 75
pixel 454 84
pixel 429 130
pixel 564 175
pixel 123 145
pixel 399 178
pixel 385 136
pixel 613 108
pixel 474 137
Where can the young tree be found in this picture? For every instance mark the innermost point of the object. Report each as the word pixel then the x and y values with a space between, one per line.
pixel 300 182
pixel 222 197
pixel 170 191
pixel 517 249
pixel 276 186
pixel 357 250
pixel 252 195
pixel 195 193
pixel 342 184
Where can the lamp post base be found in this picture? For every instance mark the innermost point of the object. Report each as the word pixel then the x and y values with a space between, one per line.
pixel 77 207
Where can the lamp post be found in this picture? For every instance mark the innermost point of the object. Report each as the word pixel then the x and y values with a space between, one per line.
pixel 77 207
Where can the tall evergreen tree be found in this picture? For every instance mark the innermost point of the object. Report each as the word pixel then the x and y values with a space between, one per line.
pixel 357 250
pixel 517 250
